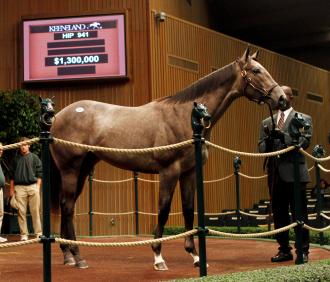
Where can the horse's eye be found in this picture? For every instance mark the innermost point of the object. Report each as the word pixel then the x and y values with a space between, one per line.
pixel 256 71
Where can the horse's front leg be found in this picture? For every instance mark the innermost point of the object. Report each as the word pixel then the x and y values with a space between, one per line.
pixel 70 252
pixel 187 187
pixel 168 180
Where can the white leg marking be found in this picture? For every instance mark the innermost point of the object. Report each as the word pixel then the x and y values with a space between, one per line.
pixel 158 258
pixel 159 264
pixel 195 257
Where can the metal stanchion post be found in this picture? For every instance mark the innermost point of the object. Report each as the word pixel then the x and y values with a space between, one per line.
pixel 47 112
pixel 237 164
pixel 46 238
pixel 297 200
pixel 199 114
pixel 319 152
pixel 90 178
pixel 298 128
pixel 136 192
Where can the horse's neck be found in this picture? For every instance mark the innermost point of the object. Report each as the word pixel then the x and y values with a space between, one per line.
pixel 217 91
pixel 219 100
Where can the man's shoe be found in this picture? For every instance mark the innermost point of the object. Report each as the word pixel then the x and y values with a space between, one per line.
pixel 280 256
pixel 2 240
pixel 24 238
pixel 305 258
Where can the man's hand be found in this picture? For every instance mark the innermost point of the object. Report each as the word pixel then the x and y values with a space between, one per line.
pixel 277 134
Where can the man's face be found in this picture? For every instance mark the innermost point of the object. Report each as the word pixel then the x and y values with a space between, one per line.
pixel 1 150
pixel 25 149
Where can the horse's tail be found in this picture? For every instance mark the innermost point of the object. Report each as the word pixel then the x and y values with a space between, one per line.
pixel 55 180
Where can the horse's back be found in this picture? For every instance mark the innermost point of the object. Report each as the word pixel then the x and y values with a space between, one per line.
pixel 82 120
pixel 92 122
pixel 76 109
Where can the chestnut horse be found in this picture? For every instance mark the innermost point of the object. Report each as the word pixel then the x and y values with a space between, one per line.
pixel 161 122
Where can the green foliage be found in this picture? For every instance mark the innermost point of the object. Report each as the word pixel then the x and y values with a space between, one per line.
pixel 317 271
pixel 19 117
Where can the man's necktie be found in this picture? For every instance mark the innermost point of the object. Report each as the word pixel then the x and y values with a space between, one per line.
pixel 280 123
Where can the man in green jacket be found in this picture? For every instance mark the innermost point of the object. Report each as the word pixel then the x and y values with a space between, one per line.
pixel 25 183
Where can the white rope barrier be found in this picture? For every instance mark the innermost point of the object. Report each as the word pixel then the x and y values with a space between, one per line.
pixel 162 148
pixel 219 213
pixel 109 213
pixel 323 169
pixel 20 243
pixel 325 216
pixel 120 150
pixel 156 214
pixel 159 240
pixel 313 158
pixel 19 144
pixel 82 213
pixel 252 177
pixel 317 229
pixel 148 180
pixel 113 181
pixel 126 244
pixel 253 235
pixel 218 180
pixel 271 154
pixel 254 215
pixel 157 181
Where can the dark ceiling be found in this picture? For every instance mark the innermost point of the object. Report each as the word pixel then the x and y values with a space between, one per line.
pixel 297 28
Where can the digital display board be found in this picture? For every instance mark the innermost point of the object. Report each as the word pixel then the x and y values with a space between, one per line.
pixel 74 48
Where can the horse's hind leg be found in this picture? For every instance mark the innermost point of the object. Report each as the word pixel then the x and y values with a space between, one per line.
pixel 168 181
pixel 187 187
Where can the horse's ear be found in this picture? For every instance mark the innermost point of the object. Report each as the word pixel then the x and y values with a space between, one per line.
pixel 255 55
pixel 195 104
pixel 246 55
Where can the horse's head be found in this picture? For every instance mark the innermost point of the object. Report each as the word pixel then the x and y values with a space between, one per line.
pixel 258 84
pixel 298 127
pixel 200 117
pixel 47 113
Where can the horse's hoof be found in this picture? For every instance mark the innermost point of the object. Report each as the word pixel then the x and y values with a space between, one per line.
pixel 69 261
pixel 197 264
pixel 160 266
pixel 81 264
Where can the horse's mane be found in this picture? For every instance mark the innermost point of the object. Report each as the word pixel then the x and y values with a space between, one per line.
pixel 204 85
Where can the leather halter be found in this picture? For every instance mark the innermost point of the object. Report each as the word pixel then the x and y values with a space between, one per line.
pixel 248 82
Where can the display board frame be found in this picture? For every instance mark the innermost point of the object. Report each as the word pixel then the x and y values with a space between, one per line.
pixel 74 48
